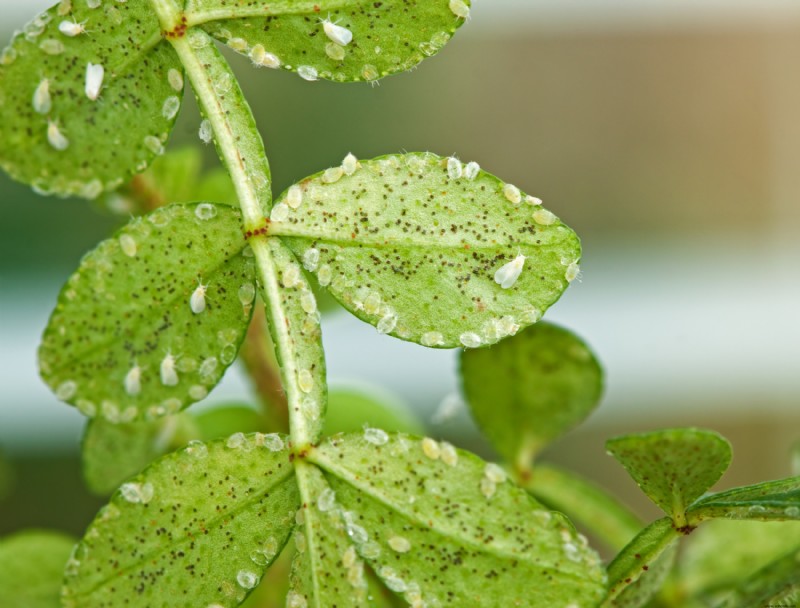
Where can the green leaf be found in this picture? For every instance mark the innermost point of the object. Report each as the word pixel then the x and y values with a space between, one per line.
pixel 635 560
pixel 768 501
pixel 650 582
pixel 768 586
pixel 305 37
pixel 124 341
pixel 113 452
pixel 673 467
pixel 400 226
pixel 529 390
pixel 351 408
pixel 198 527
pixel 585 503
pixel 229 419
pixel 52 135
pixel 31 568
pixel 440 525
pixel 721 553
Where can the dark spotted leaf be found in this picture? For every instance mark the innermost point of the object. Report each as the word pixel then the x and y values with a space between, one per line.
pixel 127 339
pixel 198 527
pixel 88 96
pixel 380 233
pixel 339 40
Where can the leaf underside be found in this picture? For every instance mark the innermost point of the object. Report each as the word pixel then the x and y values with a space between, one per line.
pixel 109 138
pixel 530 389
pixel 387 37
pixel 128 306
pixel 768 501
pixel 673 467
pixel 198 527
pixel 400 226
pixel 434 530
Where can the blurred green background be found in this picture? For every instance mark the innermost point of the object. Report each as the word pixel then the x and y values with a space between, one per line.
pixel 667 134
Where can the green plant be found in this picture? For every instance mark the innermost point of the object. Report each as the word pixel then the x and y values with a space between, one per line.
pixel 155 314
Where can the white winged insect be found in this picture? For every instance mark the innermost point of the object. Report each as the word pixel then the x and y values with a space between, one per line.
pixel 338 34
pixel 508 274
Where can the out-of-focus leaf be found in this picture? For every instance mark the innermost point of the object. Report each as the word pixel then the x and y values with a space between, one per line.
pixel 124 340
pixel 530 389
pixel 198 527
pixel 336 40
pixel 350 409
pixel 768 501
pixel 31 568
pixel 228 419
pixel 53 135
pixel 412 224
pixel 673 467
pixel 775 581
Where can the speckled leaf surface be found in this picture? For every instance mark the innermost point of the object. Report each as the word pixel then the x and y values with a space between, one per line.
pixel 107 139
pixel 326 570
pixel 387 37
pixel 405 225
pixel 198 527
pixel 439 525
pixel 652 579
pixel 31 568
pixel 124 342
pixel 673 467
pixel 769 501
pixel 530 389
pixel 110 453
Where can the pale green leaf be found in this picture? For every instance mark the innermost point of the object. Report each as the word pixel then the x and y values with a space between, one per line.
pixel 400 226
pixel 386 37
pixel 673 467
pixel 721 553
pixel 31 568
pixel 198 527
pixel 111 453
pixel 124 342
pixel 768 501
pixel 585 503
pixel 228 419
pixel 96 144
pixel 530 389
pixel 635 560
pixel 351 408
pixel 440 525
pixel 776 584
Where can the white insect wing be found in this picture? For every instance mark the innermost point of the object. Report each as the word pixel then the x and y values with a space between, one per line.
pixel 133 385
pixel 169 377
pixel 337 33
pixel 197 302
pixel 508 274
pixel 94 80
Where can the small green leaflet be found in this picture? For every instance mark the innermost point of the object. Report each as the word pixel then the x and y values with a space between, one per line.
pixel 350 408
pixel 31 568
pixel 65 127
pixel 339 40
pixel 125 341
pixel 673 467
pixel 769 501
pixel 379 233
pixel 198 527
pixel 650 582
pixel 530 389
pixel 439 525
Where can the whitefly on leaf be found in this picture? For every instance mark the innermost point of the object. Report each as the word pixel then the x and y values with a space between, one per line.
pixel 428 249
pixel 89 93
pixel 361 40
pixel 128 339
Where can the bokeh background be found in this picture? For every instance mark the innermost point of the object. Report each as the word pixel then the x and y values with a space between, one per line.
pixel 665 132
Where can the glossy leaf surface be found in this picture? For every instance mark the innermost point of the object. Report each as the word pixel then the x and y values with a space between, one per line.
pixel 198 527
pixel 124 340
pixel 53 134
pixel 362 40
pixel 673 467
pixel 530 389
pixel 406 225
pixel 439 525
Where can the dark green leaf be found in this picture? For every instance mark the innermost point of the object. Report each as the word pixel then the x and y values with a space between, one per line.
pixel 380 38
pixel 349 409
pixel 673 467
pixel 771 500
pixel 441 526
pixel 198 527
pixel 31 568
pixel 530 389
pixel 405 225
pixel 124 341
pixel 52 134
